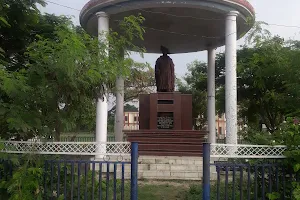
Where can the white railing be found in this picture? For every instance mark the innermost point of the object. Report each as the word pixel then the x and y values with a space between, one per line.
pixel 246 151
pixel 66 148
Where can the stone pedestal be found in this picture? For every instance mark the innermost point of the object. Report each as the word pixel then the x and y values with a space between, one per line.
pixel 169 111
pixel 166 125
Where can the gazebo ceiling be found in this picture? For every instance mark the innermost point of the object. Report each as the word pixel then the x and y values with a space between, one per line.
pixel 183 27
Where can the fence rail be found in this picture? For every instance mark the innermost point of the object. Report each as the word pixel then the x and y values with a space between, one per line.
pixel 66 148
pixel 264 177
pixel 81 179
pixel 246 151
pixel 252 181
pixel 85 180
pixel 86 138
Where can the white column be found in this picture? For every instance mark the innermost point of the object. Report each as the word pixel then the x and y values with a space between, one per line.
pixel 211 93
pixel 231 78
pixel 119 119
pixel 101 115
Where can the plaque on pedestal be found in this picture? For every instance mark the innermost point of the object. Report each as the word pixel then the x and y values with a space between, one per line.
pixel 165 120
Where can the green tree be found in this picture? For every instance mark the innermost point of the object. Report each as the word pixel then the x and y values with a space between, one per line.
pixel 267 82
pixel 21 23
pixel 20 18
pixel 139 81
pixel 62 78
pixel 130 108
pixel 195 83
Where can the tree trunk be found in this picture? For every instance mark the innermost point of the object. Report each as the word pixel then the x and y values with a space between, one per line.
pixel 57 131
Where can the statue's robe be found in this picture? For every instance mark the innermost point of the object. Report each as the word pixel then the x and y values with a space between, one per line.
pixel 164 74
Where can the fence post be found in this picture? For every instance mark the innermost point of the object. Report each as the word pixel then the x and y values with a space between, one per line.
pixel 206 171
pixel 134 170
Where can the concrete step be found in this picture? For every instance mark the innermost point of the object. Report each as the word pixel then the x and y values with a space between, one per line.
pixel 161 168
pixel 170 147
pixel 162 131
pixel 167 153
pixel 170 160
pixel 159 140
pixel 168 142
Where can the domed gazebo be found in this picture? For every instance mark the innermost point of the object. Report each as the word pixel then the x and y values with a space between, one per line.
pixel 182 26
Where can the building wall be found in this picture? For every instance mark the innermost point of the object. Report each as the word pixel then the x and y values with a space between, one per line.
pixel 131 120
pixel 221 126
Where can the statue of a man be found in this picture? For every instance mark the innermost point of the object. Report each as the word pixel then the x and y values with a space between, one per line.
pixel 164 72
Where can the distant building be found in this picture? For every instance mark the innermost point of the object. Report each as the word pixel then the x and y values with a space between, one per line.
pixel 221 126
pixel 131 120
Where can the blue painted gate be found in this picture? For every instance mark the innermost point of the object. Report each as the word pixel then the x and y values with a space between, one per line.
pixel 86 179
pixel 240 179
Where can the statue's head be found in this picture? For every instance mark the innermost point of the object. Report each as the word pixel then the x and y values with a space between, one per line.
pixel 164 50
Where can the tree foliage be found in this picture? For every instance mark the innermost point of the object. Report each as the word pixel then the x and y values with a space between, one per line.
pixel 51 79
pixel 139 81
pixel 195 83
pixel 267 82
pixel 18 27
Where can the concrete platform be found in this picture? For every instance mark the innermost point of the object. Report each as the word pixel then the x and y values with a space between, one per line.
pixel 163 168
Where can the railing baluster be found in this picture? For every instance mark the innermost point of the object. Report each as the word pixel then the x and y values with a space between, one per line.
pixel 233 182
pixel 65 179
pixel 270 179
pixel 79 179
pixel 93 180
pixel 241 182
pixel 72 179
pixel 277 178
pixel 52 175
pixel 218 181
pixel 291 181
pixel 45 179
pixel 86 181
pixel 256 187
pixel 100 181
pixel 284 174
pixel 263 181
pixel 122 182
pixel 115 181
pixel 206 171
pixel 249 183
pixel 226 182
pixel 107 181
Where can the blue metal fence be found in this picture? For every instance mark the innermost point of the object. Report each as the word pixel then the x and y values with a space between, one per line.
pixel 242 180
pixel 86 179
pixel 6 169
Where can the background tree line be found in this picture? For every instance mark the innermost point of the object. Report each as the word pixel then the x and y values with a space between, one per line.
pixel 268 81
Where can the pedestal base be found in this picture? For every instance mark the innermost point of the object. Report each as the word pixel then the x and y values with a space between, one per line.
pixel 173 105
pixel 168 143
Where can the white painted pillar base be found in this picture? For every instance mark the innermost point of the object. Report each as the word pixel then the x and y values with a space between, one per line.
pixel 231 77
pixel 211 93
pixel 101 115
pixel 101 126
pixel 119 119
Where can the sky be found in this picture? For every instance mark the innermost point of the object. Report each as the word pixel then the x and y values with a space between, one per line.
pixel 271 11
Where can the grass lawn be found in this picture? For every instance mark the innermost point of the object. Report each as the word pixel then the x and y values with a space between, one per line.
pixel 162 190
